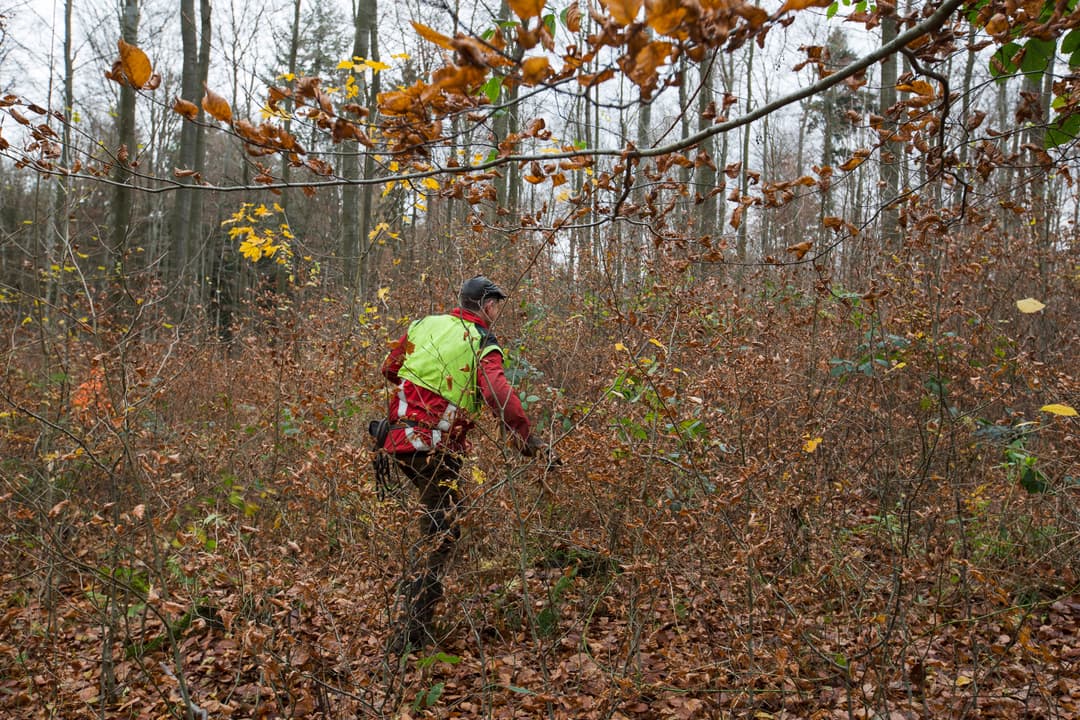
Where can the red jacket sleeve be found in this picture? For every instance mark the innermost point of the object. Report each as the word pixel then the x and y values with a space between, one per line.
pixel 501 398
pixel 395 360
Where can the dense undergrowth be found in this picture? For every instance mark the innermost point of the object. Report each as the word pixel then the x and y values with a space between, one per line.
pixel 781 496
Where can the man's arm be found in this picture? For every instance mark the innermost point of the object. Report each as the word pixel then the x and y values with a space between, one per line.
pixel 500 397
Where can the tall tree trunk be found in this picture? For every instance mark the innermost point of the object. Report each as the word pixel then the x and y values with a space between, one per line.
pixel 706 179
pixel 195 219
pixel 185 157
pixel 122 199
pixel 507 184
pixel 294 49
pixel 890 151
pixel 61 216
pixel 368 11
pixel 965 92
pixel 744 183
pixel 350 170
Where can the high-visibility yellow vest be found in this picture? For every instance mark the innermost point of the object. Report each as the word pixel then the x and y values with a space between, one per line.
pixel 443 355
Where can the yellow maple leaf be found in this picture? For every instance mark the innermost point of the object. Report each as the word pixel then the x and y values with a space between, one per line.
pixel 251 249
pixel 811 444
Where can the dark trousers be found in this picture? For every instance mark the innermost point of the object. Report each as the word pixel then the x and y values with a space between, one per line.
pixel 435 475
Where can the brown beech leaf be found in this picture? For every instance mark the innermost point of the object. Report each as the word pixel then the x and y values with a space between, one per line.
pixel 646 61
pixel 527 9
pixel 433 36
pixel 395 102
pixel 185 108
pixel 920 87
pixel 665 16
pixel 589 80
pixel 535 70
pixel 216 105
pixel 998 26
pixel 804 4
pixel 799 249
pixel 573 18
pixel 134 63
pixel 833 223
pixel 622 12
pixel 754 15
pixel 276 95
pixel 736 217
pixel 856 160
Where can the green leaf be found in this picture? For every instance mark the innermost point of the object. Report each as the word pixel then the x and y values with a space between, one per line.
pixel 547 621
pixel 1033 481
pixel 1037 54
pixel 1003 62
pixel 439 657
pixel 549 20
pixel 492 88
pixel 434 694
pixel 1064 131
pixel 520 690
pixel 831 12
pixel 1071 43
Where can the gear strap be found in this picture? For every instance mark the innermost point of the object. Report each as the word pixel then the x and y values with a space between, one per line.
pixel 379 430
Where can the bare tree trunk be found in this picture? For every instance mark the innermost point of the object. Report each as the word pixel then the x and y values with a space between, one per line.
pixel 707 175
pixel 369 266
pixel 352 235
pixel 890 151
pixel 195 220
pixel 744 184
pixel 185 156
pixel 122 200
pixel 294 49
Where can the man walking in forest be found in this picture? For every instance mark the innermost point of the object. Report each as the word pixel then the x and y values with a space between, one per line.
pixel 445 368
